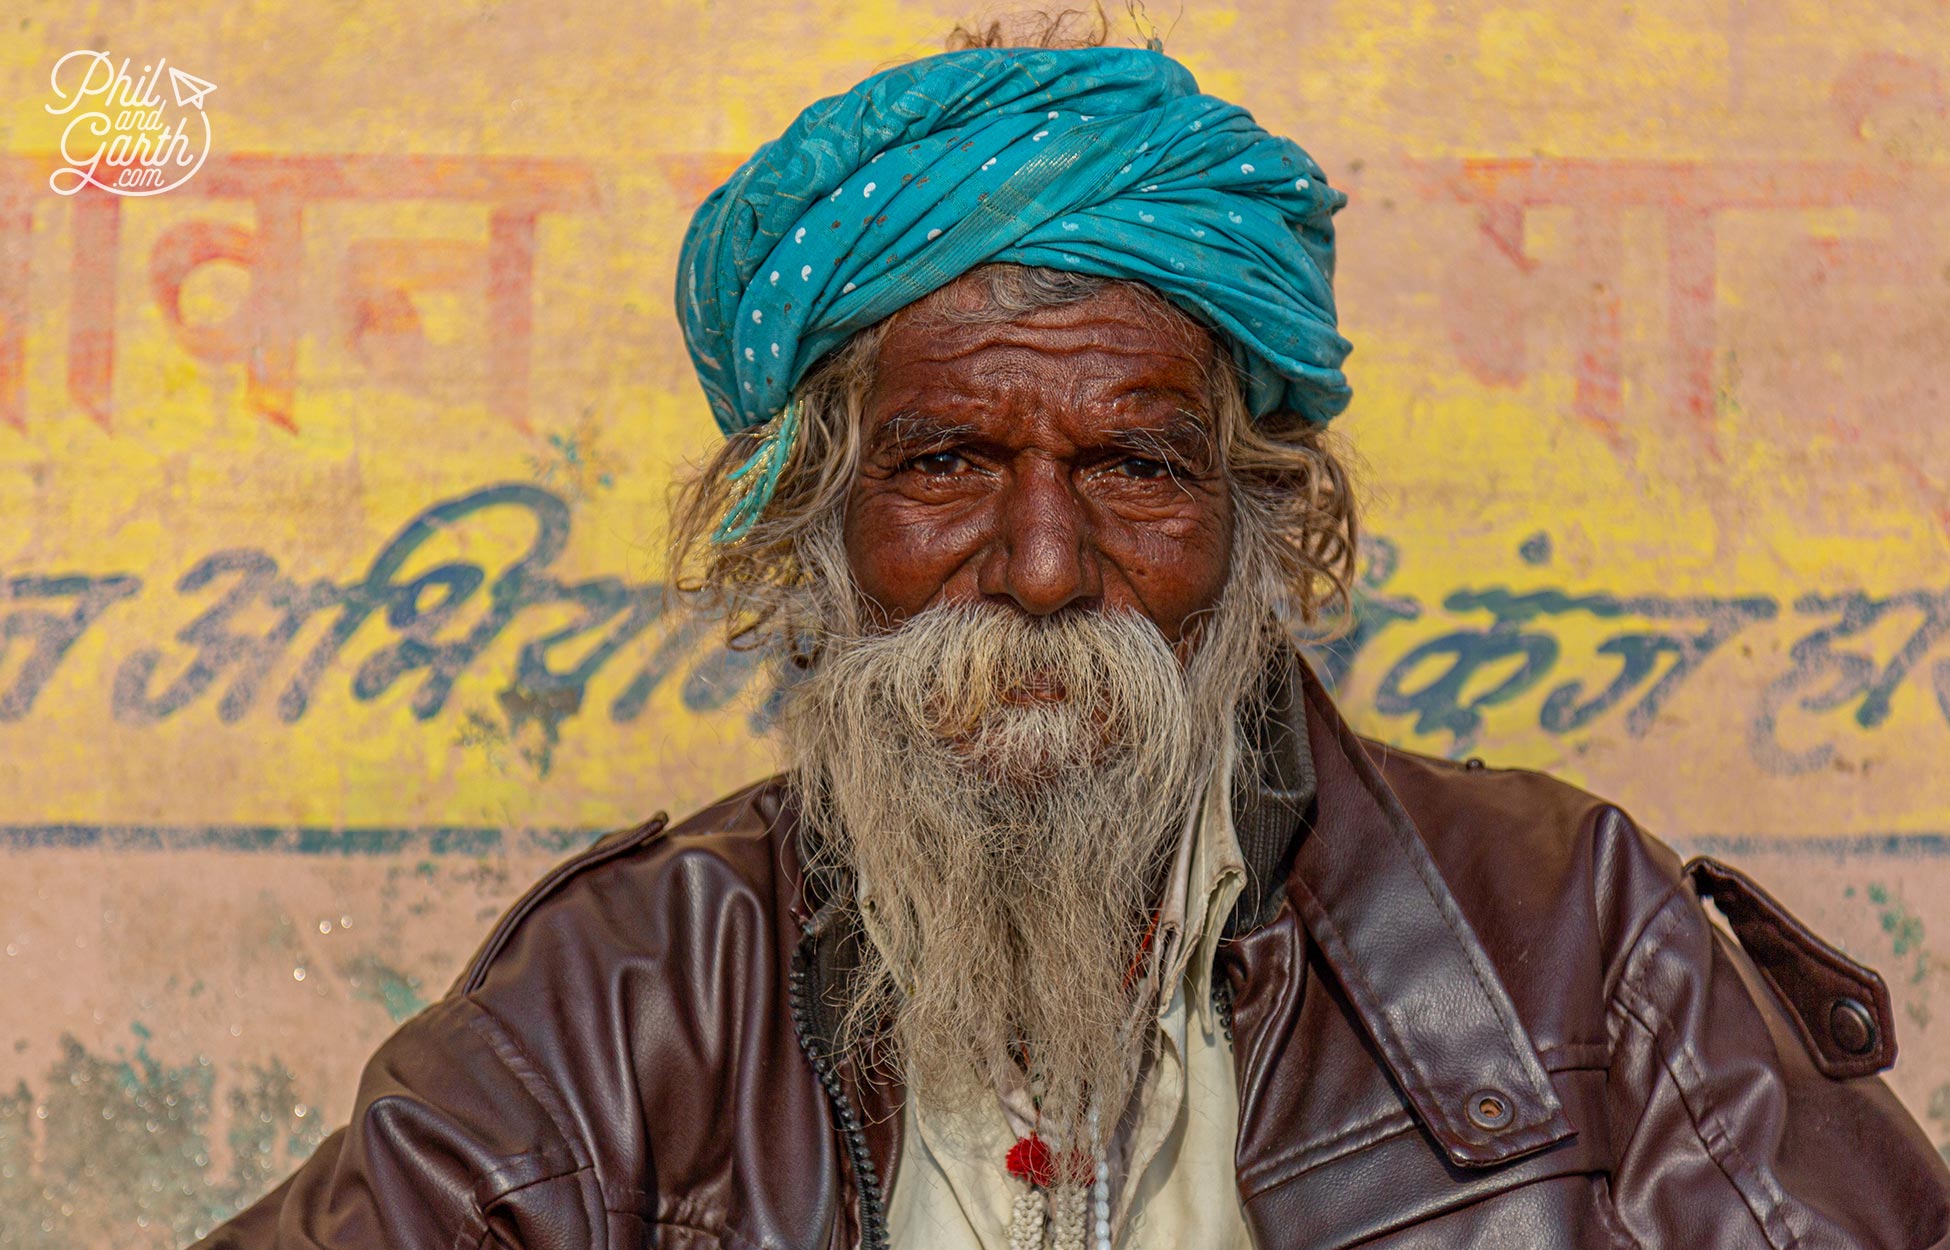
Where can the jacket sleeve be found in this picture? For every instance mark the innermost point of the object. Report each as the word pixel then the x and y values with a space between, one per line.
pixel 454 1144
pixel 1745 1111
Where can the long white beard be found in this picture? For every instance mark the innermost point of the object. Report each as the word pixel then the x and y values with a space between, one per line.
pixel 1011 789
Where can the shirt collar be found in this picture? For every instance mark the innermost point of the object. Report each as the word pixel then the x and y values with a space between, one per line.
pixel 1207 874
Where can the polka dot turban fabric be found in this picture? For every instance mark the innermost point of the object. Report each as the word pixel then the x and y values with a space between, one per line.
pixel 1106 161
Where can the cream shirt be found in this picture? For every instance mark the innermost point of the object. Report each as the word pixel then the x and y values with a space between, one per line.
pixel 1175 1142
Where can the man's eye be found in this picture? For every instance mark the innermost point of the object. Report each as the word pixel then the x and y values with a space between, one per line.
pixel 1143 468
pixel 935 463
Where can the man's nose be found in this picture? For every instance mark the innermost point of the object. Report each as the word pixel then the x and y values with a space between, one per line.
pixel 1042 555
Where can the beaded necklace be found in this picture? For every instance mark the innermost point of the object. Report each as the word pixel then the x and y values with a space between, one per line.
pixel 1078 1213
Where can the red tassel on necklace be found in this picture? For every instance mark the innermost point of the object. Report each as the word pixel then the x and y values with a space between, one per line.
pixel 1032 1160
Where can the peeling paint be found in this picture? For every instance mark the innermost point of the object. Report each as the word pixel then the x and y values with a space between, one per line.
pixel 121 1149
pixel 376 981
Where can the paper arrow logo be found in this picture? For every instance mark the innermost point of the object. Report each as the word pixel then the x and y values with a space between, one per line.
pixel 190 89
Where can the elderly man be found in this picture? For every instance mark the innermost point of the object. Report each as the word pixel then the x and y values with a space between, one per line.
pixel 1079 918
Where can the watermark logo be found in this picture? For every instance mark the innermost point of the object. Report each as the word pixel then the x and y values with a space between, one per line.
pixel 131 140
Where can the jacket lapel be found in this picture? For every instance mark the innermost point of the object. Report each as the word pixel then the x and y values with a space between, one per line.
pixel 1382 919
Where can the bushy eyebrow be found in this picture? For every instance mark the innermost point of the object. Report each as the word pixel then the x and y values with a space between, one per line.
pixel 1184 436
pixel 904 431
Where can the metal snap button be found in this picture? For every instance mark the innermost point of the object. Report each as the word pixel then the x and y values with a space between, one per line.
pixel 1853 1026
pixel 1490 1109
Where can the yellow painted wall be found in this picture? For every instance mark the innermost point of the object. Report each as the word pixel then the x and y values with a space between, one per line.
pixel 331 486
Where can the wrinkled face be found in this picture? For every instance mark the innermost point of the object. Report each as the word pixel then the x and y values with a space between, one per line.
pixel 1061 460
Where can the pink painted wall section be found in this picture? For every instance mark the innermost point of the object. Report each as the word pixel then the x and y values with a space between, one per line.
pixel 331 484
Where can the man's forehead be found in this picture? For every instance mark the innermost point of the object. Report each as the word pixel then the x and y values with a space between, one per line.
pixel 1116 334
pixel 998 370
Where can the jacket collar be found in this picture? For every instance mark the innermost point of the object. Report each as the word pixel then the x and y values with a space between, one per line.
pixel 1322 834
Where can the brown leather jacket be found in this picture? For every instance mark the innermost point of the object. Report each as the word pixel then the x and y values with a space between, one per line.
pixel 1471 1008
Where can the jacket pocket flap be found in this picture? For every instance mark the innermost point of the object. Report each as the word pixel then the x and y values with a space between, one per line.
pixel 1410 1166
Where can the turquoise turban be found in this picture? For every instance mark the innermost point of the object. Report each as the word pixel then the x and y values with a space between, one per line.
pixel 1106 161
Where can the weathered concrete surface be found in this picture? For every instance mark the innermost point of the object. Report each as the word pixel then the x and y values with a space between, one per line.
pixel 1652 314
